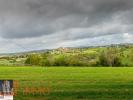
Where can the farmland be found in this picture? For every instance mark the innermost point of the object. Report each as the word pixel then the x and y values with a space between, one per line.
pixel 95 73
pixel 74 83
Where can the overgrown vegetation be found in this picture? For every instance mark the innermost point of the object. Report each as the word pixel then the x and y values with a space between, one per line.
pixel 110 57
pixel 114 56
pixel 104 56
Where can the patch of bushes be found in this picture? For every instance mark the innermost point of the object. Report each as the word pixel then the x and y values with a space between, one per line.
pixel 110 57
pixel 60 60
pixel 101 57
pixel 33 59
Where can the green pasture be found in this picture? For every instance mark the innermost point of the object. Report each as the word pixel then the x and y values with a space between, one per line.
pixel 73 83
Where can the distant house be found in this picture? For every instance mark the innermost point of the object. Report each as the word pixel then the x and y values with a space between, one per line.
pixel 63 49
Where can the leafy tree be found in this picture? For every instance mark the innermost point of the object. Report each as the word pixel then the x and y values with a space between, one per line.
pixel 33 59
pixel 110 57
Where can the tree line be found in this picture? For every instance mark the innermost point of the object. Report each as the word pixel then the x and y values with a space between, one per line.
pixel 106 57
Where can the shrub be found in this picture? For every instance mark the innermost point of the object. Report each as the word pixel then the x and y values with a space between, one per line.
pixel 33 59
pixel 110 57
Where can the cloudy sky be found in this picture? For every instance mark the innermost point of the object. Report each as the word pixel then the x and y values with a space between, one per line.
pixel 44 24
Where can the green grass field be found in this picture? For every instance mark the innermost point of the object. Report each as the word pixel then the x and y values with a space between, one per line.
pixel 73 83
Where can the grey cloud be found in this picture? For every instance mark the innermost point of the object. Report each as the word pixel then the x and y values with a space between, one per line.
pixel 53 23
pixel 33 18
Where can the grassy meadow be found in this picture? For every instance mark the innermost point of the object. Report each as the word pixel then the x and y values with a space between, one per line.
pixel 95 73
pixel 73 83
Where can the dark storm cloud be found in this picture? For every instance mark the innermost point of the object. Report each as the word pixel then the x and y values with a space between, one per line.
pixel 34 18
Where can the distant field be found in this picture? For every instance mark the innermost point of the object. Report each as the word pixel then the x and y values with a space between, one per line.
pixel 74 83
